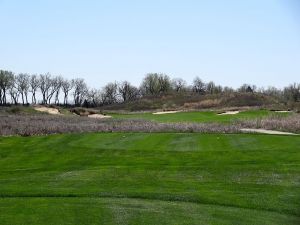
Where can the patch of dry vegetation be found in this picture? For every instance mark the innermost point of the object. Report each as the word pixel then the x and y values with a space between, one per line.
pixel 275 122
pixel 49 124
pixel 204 104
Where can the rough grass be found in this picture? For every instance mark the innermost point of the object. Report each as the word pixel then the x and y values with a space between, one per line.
pixel 138 178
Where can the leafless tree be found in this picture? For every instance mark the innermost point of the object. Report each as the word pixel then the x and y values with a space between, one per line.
pixel 178 84
pixel 23 83
pixel 45 83
pixel 247 88
pixel 150 84
pixel 58 86
pixel 212 88
pixel 110 93
pixel 164 83
pixel 155 84
pixel 198 86
pixel 66 88
pixel 228 90
pixel 6 80
pixel 34 85
pixel 54 84
pixel 292 92
pixel 94 98
pixel 13 90
pixel 80 90
pixel 127 91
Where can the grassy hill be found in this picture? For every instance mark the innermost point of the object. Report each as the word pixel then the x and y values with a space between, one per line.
pixel 139 178
pixel 195 101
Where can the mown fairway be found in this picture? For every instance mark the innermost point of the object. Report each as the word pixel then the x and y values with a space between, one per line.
pixel 203 117
pixel 138 178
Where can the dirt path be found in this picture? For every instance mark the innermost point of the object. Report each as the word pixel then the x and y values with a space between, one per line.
pixel 264 131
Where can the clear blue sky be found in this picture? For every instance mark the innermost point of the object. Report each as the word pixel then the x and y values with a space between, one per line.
pixel 229 42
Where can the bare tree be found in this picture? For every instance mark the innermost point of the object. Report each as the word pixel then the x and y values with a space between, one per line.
pixel 247 88
pixel 58 87
pixel 228 90
pixel 150 84
pixel 292 92
pixel 45 83
pixel 22 82
pixel 164 83
pixel 13 90
pixel 93 97
pixel 210 87
pixel 127 91
pixel 54 85
pixel 272 91
pixel 178 84
pixel 6 80
pixel 155 84
pixel 198 86
pixel 80 90
pixel 110 93
pixel 34 85
pixel 66 88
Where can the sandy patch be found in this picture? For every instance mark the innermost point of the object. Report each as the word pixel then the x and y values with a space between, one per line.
pixel 98 116
pixel 229 113
pixel 48 110
pixel 282 111
pixel 264 131
pixel 165 112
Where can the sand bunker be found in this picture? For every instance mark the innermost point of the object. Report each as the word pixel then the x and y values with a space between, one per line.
pixel 229 113
pixel 282 111
pixel 165 112
pixel 98 116
pixel 48 110
pixel 264 131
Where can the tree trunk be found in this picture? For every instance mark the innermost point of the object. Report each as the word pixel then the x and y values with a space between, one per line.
pixel 22 97
pixel 26 97
pixel 33 98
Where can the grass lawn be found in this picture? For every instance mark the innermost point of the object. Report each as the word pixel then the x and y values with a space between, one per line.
pixel 161 178
pixel 203 117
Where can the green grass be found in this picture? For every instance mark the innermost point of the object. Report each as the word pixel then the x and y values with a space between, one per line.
pixel 203 117
pixel 138 178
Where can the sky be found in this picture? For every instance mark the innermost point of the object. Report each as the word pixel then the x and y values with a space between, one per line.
pixel 229 42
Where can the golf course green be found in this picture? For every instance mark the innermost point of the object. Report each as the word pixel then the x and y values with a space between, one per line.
pixel 150 178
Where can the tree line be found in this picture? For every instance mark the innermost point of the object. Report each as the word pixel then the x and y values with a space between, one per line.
pixel 46 89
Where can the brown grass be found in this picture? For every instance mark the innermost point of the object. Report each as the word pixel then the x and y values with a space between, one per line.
pixel 27 125
pixel 288 124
